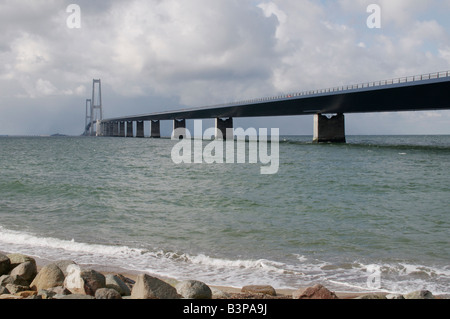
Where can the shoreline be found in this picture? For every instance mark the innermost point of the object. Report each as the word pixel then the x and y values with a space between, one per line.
pixel 228 292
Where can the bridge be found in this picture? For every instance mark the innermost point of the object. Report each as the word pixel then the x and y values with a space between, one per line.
pixel 412 93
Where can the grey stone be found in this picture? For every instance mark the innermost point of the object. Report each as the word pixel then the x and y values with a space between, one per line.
pixel 107 293
pixel 17 259
pixel 86 282
pixel 193 289
pixel 419 294
pixel 48 277
pixel 13 289
pixel 14 279
pixel 63 264
pixel 74 296
pixel 115 282
pixel 27 270
pixel 260 289
pixel 5 264
pixel 372 296
pixel 148 287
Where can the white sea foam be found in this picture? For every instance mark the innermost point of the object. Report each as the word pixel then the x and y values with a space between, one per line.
pixel 396 277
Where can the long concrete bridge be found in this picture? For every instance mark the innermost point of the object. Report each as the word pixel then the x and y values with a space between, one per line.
pixel 413 93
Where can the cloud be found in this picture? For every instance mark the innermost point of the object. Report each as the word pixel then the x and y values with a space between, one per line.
pixel 154 55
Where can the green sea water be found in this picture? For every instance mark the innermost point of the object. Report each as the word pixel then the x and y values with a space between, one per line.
pixel 339 215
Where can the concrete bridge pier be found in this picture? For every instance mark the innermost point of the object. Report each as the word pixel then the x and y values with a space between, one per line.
pixel 329 130
pixel 130 129
pixel 224 128
pixel 116 129
pixel 122 129
pixel 179 129
pixel 155 129
pixel 140 129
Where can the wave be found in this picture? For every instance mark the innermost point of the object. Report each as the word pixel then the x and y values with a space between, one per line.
pixel 300 271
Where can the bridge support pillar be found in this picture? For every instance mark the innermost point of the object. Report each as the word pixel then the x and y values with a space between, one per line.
pixel 140 129
pixel 110 129
pixel 329 130
pixel 179 129
pixel 130 129
pixel 156 129
pixel 116 129
pixel 224 128
pixel 122 129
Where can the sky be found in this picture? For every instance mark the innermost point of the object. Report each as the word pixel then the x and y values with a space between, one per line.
pixel 161 55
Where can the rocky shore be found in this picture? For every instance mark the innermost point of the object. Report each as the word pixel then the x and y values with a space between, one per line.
pixel 22 278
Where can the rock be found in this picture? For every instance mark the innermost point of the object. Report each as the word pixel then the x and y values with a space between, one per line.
pixel 260 289
pixel 419 294
pixel 3 290
pixel 315 292
pixel 14 289
pixel 5 264
pixel 107 293
pixel 83 281
pixel 9 296
pixel 372 296
pixel 74 296
pixel 394 296
pixel 219 294
pixel 17 259
pixel 63 264
pixel 114 282
pixel 48 277
pixel 26 293
pixel 148 287
pixel 27 270
pixel 14 280
pixel 193 289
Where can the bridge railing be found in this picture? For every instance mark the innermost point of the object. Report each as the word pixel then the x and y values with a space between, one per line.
pixel 406 79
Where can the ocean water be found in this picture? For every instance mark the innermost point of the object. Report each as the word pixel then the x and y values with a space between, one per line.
pixel 369 215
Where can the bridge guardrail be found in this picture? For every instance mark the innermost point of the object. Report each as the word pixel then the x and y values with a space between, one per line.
pixel 406 79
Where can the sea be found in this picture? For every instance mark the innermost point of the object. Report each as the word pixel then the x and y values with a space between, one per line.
pixel 369 215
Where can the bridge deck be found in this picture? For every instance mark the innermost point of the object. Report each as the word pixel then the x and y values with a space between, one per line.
pixel 416 93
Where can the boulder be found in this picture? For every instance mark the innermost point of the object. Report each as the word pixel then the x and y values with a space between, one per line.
pixel 419 294
pixel 219 294
pixel 372 296
pixel 314 292
pixel 49 276
pixel 27 270
pixel 5 264
pixel 193 289
pixel 148 287
pixel 74 296
pixel 3 290
pixel 17 259
pixel 85 282
pixel 394 296
pixel 14 289
pixel 26 294
pixel 63 264
pixel 260 289
pixel 114 282
pixel 107 293
pixel 14 279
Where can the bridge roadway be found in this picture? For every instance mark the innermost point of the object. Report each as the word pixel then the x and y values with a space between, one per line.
pixel 414 93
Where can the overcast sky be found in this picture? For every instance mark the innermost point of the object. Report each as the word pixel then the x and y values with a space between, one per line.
pixel 159 55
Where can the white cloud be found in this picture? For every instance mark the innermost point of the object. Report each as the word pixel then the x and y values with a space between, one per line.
pixel 198 53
